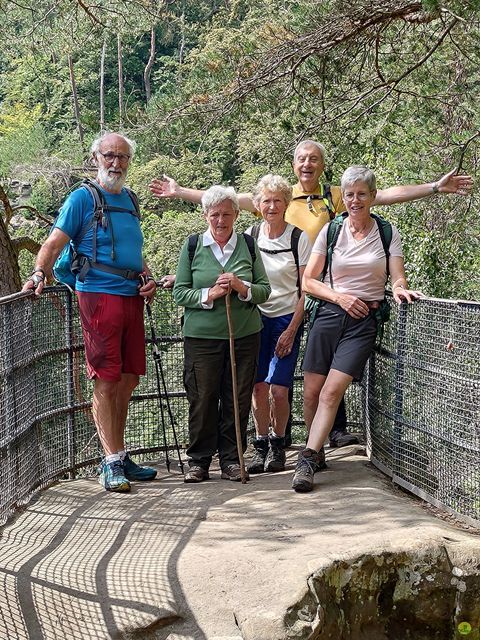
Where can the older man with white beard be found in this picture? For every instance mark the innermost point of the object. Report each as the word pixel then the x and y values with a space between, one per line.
pixel 111 294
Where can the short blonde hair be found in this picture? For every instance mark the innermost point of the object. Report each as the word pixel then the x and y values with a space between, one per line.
pixel 273 183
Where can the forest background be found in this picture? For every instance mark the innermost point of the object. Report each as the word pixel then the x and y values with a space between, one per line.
pixel 219 91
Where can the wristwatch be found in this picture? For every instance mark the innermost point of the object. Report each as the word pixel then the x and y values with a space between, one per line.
pixel 435 187
pixel 36 278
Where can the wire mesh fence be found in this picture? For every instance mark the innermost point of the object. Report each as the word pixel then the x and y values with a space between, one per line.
pixel 418 402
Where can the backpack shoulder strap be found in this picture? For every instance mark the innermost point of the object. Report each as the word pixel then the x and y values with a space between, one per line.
pixel 255 231
pixel 192 246
pixel 295 237
pixel 98 208
pixel 251 245
pixel 333 231
pixel 385 231
pixel 134 199
pixel 327 198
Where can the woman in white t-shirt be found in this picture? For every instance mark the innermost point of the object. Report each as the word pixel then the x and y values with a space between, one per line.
pixel 282 317
pixel 343 334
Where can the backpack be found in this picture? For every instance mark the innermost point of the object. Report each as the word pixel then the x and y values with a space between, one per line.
pixel 333 231
pixel 71 265
pixel 295 237
pixel 326 196
pixel 193 241
pixel 312 304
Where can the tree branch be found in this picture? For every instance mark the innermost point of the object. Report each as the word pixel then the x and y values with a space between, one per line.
pixel 32 246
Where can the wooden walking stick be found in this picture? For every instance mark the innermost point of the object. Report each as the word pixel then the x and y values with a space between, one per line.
pixel 236 410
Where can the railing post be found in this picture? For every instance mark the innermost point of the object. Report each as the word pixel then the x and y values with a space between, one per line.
pixel 71 449
pixel 398 387
pixel 367 394
pixel 9 404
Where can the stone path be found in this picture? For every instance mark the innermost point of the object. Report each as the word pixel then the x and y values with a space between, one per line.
pixel 215 561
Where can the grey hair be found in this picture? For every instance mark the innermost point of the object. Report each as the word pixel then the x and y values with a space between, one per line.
pixel 358 173
pixel 217 194
pixel 95 148
pixel 311 143
pixel 273 183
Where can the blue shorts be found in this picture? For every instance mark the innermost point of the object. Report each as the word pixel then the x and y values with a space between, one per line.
pixel 272 369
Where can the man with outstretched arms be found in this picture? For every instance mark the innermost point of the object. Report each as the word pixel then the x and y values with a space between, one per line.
pixel 313 205
pixel 111 288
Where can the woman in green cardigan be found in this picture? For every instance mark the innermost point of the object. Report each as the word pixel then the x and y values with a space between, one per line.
pixel 221 261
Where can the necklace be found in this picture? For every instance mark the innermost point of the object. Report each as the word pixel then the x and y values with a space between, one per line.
pixel 360 235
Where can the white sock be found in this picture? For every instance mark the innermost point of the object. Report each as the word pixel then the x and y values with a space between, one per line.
pixel 262 437
pixel 113 457
pixel 275 435
pixel 122 454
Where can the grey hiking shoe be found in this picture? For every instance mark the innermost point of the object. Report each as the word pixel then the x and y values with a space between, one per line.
pixel 275 460
pixel 257 464
pixel 341 439
pixel 308 461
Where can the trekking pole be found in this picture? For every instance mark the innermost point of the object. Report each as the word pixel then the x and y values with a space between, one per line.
pixel 161 379
pixel 235 389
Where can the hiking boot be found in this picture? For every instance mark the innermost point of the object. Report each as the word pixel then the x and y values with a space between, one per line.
pixel 257 464
pixel 233 472
pixel 133 471
pixel 196 474
pixel 320 464
pixel 341 439
pixel 112 477
pixel 275 460
pixel 308 462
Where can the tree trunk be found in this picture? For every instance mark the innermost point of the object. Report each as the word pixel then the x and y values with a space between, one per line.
pixel 148 68
pixel 76 106
pixel 102 87
pixel 120 81
pixel 9 272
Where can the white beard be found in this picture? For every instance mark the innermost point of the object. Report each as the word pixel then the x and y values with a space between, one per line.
pixel 111 181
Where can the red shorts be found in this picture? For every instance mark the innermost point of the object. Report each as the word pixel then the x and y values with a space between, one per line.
pixel 113 333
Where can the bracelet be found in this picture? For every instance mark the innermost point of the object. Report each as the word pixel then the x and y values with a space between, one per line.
pixel 36 279
pixel 36 270
pixel 434 187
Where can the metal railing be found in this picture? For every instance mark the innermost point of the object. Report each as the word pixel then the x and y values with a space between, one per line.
pixel 418 402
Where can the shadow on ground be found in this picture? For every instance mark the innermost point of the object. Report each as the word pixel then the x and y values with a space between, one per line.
pixel 180 562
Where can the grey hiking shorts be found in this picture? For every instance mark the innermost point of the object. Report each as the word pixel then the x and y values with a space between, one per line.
pixel 338 341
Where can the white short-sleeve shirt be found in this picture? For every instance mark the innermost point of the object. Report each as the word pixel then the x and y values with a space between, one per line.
pixel 281 270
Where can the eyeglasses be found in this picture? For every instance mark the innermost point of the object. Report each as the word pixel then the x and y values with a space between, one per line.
pixel 123 158
pixel 362 196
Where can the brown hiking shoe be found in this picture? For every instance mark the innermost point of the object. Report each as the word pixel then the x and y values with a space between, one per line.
pixel 308 461
pixel 196 474
pixel 233 472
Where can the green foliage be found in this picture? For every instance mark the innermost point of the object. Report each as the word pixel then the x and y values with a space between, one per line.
pixel 236 85
pixel 22 137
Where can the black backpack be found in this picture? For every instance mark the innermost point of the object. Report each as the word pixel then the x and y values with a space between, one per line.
pixel 333 231
pixel 312 304
pixel 295 237
pixel 193 241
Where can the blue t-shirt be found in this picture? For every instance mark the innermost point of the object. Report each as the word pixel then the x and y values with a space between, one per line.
pixel 75 214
